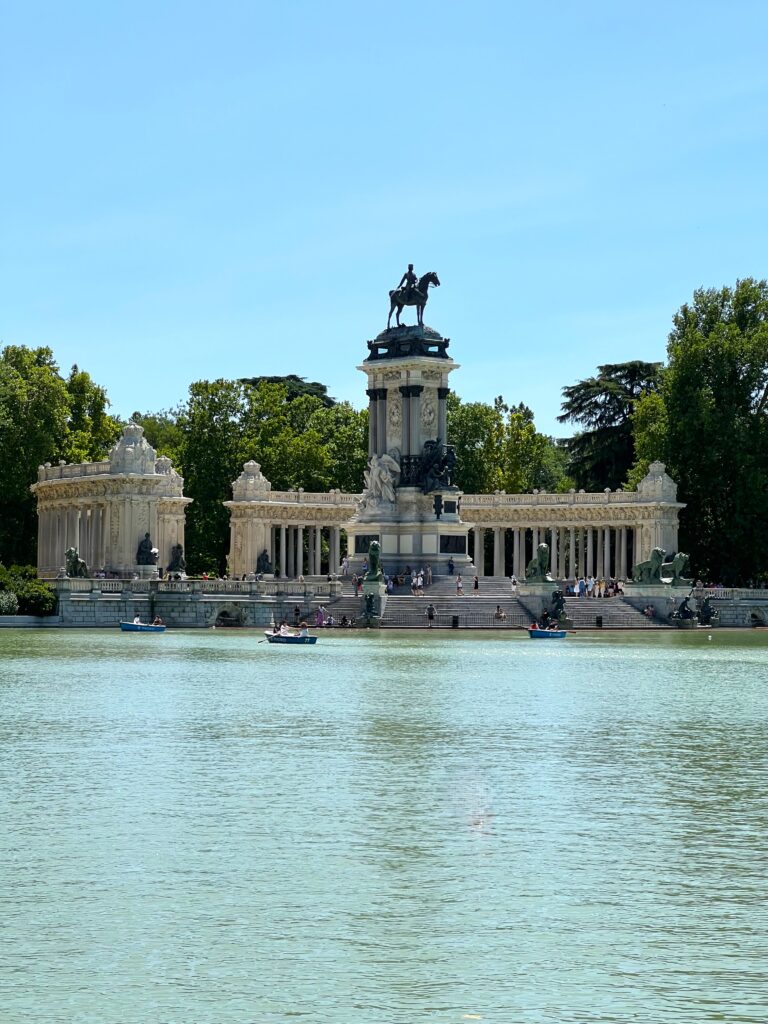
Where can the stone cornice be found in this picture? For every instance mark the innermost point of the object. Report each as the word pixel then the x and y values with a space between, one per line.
pixel 104 486
pixel 293 515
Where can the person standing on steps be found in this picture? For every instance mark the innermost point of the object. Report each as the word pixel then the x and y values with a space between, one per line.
pixel 459 586
pixel 430 613
pixel 476 587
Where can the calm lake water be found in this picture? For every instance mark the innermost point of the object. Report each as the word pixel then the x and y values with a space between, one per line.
pixel 201 829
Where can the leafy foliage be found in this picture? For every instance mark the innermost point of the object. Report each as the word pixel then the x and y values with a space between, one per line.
pixel 712 428
pixel 602 454
pixel 499 448
pixel 21 593
pixel 295 387
pixel 301 442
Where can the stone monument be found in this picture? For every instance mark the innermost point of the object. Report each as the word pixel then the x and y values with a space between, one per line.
pixel 410 505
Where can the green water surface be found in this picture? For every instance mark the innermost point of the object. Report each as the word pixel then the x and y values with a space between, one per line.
pixel 198 828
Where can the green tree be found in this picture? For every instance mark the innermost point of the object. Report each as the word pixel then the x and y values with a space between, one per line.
pixel 712 431
pixel 91 431
pixel 34 407
pixel 476 430
pixel 602 454
pixel 295 387
pixel 211 454
pixel 43 418
pixel 299 443
pixel 499 448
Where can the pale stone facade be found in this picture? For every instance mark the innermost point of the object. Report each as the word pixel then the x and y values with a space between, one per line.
pixel 408 370
pixel 104 509
pixel 601 534
pixel 289 525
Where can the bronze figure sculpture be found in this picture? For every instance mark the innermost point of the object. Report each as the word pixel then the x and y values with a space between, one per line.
pixel 411 292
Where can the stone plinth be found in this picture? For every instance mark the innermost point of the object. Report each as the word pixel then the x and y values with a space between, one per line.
pixel 376 590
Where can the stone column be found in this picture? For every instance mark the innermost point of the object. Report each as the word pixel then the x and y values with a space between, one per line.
pixel 405 391
pixel 590 553
pixel 95 538
pixel 572 552
pixel 563 552
pixel 381 420
pixel 271 548
pixel 283 559
pixel 442 413
pixel 623 554
pixel 479 534
pixel 600 568
pixel 319 550
pixel 335 558
pixel 310 551
pixel 553 551
pixel 373 420
pixel 299 550
pixel 290 551
pixel 534 540
pixel 607 552
pixel 498 551
pixel 415 419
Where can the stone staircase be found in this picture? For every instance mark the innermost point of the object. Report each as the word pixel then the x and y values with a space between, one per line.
pixel 615 613
pixel 403 611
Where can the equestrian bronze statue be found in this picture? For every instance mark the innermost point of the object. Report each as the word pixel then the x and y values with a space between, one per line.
pixel 412 291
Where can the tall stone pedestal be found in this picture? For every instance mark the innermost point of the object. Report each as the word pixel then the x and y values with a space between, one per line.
pixel 409 505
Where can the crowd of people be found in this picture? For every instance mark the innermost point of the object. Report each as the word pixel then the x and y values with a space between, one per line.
pixel 593 586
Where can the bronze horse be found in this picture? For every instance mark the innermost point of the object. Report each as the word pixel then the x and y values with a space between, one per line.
pixel 417 298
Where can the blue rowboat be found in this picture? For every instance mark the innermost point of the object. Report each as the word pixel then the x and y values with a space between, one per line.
pixel 141 627
pixel 547 634
pixel 282 638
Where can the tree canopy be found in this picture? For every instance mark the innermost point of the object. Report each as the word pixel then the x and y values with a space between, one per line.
pixel 44 417
pixel 603 452
pixel 300 443
pixel 499 448
pixel 295 387
pixel 710 426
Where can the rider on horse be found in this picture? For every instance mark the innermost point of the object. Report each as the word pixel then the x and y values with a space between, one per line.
pixel 410 280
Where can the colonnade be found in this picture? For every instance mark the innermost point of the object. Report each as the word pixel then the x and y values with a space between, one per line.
pixel 574 551
pixel 297 550
pixel 81 526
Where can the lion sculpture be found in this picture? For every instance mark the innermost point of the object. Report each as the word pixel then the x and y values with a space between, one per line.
pixel 673 571
pixel 76 567
pixel 650 571
pixel 374 573
pixel 536 570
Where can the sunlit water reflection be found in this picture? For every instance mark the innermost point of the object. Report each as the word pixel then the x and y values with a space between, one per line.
pixel 197 827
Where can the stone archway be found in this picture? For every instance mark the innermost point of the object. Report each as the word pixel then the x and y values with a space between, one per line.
pixel 228 614
pixel 757 616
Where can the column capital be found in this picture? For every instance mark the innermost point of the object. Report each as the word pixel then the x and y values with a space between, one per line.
pixel 442 393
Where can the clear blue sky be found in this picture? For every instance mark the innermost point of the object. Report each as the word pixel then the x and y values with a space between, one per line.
pixel 222 190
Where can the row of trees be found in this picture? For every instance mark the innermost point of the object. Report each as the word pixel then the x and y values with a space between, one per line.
pixel 703 413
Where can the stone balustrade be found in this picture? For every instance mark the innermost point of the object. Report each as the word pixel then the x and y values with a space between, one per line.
pixel 248 588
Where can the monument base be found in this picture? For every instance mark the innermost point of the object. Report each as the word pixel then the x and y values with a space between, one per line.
pixel 419 530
